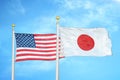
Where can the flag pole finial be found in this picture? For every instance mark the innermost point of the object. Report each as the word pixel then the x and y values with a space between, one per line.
pixel 57 17
pixel 13 25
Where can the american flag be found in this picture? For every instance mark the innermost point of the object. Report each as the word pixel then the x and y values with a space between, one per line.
pixel 36 47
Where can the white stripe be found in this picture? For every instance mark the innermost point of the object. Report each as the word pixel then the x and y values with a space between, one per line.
pixel 44 57
pixel 25 52
pixel 39 48
pixel 45 37
pixel 46 45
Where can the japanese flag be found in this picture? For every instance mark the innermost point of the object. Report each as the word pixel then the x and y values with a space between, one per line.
pixel 85 42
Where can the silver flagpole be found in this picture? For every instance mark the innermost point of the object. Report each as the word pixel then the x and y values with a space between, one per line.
pixel 13 57
pixel 57 48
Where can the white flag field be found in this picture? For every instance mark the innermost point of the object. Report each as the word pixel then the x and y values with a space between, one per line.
pixel 85 42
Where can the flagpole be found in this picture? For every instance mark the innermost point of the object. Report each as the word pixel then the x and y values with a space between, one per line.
pixel 13 57
pixel 57 48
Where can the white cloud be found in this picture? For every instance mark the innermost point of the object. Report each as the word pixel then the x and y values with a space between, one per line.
pixel 74 13
pixel 69 4
pixel 83 13
pixel 74 4
pixel 116 0
pixel 88 5
pixel 15 7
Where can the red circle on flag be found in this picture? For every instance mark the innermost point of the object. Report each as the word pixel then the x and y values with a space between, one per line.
pixel 85 42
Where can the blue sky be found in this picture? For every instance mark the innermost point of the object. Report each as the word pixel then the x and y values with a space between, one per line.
pixel 38 16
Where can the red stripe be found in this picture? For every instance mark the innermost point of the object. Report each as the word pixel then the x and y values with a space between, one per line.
pixel 46 47
pixel 47 43
pixel 28 54
pixel 44 34
pixel 25 59
pixel 45 39
pixel 30 50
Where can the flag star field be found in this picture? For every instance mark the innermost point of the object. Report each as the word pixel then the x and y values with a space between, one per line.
pixel 35 17
pixel 27 40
